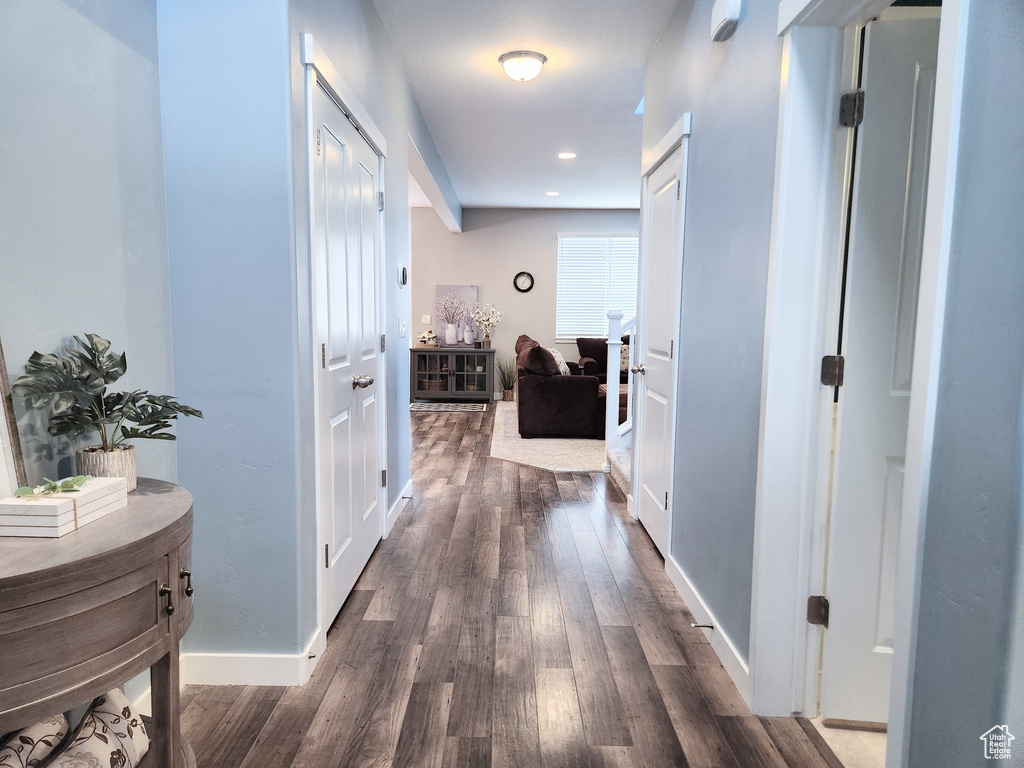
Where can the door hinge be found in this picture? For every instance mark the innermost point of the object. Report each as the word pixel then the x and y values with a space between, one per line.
pixel 381 208
pixel 666 501
pixel 833 369
pixel 671 349
pixel 817 610
pixel 318 142
pixel 327 555
pixel 383 342
pixel 851 108
pixel 383 478
pixel 323 355
pixel 679 187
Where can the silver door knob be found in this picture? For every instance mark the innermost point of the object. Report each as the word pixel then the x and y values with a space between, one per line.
pixel 638 369
pixel 361 381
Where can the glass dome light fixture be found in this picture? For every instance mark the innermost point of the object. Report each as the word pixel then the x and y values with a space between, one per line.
pixel 522 65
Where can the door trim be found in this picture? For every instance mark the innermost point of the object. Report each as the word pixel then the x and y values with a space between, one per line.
pixel 319 71
pixel 783 649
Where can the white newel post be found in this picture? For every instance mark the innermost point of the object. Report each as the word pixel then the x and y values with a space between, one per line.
pixel 611 400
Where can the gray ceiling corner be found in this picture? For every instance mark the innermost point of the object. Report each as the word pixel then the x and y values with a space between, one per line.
pixel 499 139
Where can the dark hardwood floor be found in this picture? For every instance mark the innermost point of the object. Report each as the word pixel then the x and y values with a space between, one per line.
pixel 514 617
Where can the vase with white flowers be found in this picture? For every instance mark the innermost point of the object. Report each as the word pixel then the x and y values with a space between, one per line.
pixel 487 318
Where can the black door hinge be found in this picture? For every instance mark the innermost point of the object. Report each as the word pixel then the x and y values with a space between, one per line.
pixel 679 188
pixel 833 368
pixel 323 355
pixel 383 342
pixel 851 108
pixel 817 610
pixel 383 478
pixel 327 555
pixel 318 142
pixel 381 208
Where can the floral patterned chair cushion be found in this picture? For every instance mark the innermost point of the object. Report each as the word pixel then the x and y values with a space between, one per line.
pixel 111 734
pixel 30 746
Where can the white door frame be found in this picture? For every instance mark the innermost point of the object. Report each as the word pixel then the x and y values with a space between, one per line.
pixel 801 326
pixel 319 71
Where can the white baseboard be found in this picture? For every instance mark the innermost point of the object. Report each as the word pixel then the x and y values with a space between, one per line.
pixel 253 668
pixel 720 642
pixel 143 704
pixel 397 507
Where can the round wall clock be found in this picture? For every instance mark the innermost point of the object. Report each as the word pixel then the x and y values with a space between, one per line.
pixel 523 282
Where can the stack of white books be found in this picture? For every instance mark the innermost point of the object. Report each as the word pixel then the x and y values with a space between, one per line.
pixel 57 514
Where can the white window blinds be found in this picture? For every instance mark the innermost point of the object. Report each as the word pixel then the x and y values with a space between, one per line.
pixel 596 273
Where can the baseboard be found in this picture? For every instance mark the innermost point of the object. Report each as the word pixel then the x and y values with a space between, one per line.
pixel 397 507
pixel 720 642
pixel 253 668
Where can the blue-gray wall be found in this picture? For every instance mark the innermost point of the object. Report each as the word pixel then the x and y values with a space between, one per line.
pixel 83 241
pixel 974 543
pixel 732 90
pixel 226 107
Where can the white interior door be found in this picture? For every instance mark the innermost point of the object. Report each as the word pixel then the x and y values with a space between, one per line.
pixel 346 242
pixel 662 267
pixel 887 223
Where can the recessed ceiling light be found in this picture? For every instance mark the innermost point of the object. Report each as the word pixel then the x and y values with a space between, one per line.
pixel 522 65
pixel 552 194
pixel 566 155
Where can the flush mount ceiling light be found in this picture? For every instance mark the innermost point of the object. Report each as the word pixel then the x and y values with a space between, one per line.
pixel 566 155
pixel 552 194
pixel 522 65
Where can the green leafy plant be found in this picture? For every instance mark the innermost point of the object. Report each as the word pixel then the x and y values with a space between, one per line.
pixel 74 383
pixel 506 372
pixel 50 487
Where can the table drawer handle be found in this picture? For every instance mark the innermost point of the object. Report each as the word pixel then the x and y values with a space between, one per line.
pixel 187 574
pixel 169 594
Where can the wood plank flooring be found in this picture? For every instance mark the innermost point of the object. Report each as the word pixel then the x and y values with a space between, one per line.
pixel 514 617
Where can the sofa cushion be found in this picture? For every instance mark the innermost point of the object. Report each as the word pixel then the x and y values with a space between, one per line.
pixel 524 342
pixel 538 361
pixel 595 349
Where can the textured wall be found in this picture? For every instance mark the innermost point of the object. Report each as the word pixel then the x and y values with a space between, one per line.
pixel 83 238
pixel 225 103
pixel 973 557
pixel 496 244
pixel 732 90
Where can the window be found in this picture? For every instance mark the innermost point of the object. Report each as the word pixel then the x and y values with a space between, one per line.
pixel 596 273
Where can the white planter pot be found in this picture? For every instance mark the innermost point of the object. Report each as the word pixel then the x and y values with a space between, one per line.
pixel 119 462
pixel 451 335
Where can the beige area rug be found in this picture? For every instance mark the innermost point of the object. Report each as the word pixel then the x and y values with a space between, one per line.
pixel 555 453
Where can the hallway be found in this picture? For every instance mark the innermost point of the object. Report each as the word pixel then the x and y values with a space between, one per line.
pixel 515 616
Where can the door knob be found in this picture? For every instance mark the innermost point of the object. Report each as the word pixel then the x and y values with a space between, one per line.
pixel 361 381
pixel 638 369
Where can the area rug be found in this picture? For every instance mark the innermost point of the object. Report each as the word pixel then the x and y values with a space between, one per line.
pixel 555 453
pixel 435 407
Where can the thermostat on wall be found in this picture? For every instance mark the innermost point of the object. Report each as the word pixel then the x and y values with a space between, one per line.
pixel 725 15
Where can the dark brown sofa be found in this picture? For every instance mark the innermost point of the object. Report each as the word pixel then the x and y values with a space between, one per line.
pixel 594 358
pixel 552 405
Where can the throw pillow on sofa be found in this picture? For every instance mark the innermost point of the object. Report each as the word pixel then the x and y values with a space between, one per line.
pixel 559 361
pixel 538 361
pixel 624 358
pixel 110 734
pixel 30 746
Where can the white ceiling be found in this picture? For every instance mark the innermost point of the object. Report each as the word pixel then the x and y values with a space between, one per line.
pixel 499 139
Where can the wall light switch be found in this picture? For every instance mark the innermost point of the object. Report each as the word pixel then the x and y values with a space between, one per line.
pixel 401 328
pixel 425 319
